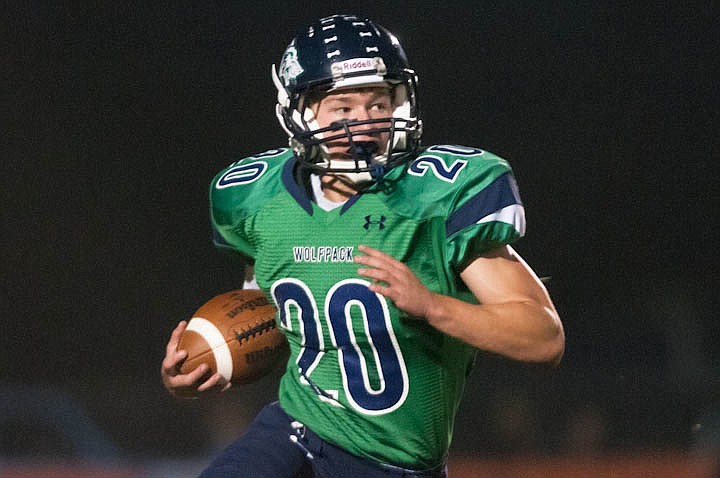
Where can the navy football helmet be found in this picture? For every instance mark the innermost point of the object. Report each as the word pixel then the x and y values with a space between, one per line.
pixel 344 51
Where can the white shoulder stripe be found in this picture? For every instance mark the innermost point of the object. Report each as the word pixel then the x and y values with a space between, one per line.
pixel 513 215
pixel 217 344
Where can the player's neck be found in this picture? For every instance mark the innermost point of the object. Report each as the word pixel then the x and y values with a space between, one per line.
pixel 336 189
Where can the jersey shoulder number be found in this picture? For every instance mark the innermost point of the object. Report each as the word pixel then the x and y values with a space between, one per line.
pixel 446 176
pixel 247 170
pixel 243 186
pixel 476 193
pixel 239 191
pixel 445 162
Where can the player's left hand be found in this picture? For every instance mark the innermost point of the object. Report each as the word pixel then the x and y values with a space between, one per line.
pixel 394 280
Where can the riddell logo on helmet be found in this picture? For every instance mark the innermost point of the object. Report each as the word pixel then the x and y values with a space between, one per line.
pixel 347 67
pixel 358 64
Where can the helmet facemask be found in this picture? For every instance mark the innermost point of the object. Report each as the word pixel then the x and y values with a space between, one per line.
pixel 365 160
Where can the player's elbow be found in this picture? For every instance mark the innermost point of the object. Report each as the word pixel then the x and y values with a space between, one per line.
pixel 554 347
pixel 545 342
pixel 556 356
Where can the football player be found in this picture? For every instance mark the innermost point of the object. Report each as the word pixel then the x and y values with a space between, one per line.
pixel 389 262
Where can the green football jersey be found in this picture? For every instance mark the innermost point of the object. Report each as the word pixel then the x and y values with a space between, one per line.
pixel 362 374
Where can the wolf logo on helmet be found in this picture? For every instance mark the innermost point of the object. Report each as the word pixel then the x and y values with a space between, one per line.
pixel 289 66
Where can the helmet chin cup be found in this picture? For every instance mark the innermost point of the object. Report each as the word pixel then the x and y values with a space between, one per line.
pixel 347 171
pixel 357 179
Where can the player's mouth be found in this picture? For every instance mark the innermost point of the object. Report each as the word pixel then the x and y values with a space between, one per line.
pixel 360 149
pixel 365 150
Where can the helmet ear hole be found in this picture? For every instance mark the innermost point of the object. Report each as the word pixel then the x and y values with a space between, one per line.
pixel 308 110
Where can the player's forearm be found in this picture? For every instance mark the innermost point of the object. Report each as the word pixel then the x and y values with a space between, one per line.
pixel 522 330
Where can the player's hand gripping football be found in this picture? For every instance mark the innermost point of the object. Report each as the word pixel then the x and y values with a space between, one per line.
pixel 189 385
pixel 394 280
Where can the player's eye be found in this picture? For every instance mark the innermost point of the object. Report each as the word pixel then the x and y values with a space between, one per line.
pixel 380 106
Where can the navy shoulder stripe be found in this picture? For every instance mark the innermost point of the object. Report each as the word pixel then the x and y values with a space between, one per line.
pixel 501 193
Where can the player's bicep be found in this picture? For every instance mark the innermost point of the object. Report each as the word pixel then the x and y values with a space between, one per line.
pixel 501 275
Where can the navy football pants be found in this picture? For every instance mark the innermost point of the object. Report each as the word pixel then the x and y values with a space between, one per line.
pixel 277 446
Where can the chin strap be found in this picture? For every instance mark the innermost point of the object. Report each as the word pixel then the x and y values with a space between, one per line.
pixel 378 173
pixel 365 151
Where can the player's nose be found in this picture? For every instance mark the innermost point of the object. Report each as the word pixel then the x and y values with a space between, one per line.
pixel 363 114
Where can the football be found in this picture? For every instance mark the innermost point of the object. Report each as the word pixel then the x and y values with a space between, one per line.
pixel 235 334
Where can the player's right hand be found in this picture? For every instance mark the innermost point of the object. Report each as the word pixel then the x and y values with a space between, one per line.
pixel 192 384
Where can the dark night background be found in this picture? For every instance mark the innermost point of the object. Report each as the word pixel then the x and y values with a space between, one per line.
pixel 115 117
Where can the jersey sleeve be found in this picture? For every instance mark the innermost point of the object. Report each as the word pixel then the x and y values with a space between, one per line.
pixel 237 193
pixel 487 212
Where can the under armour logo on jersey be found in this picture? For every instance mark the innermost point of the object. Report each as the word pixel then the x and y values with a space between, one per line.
pixel 380 222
